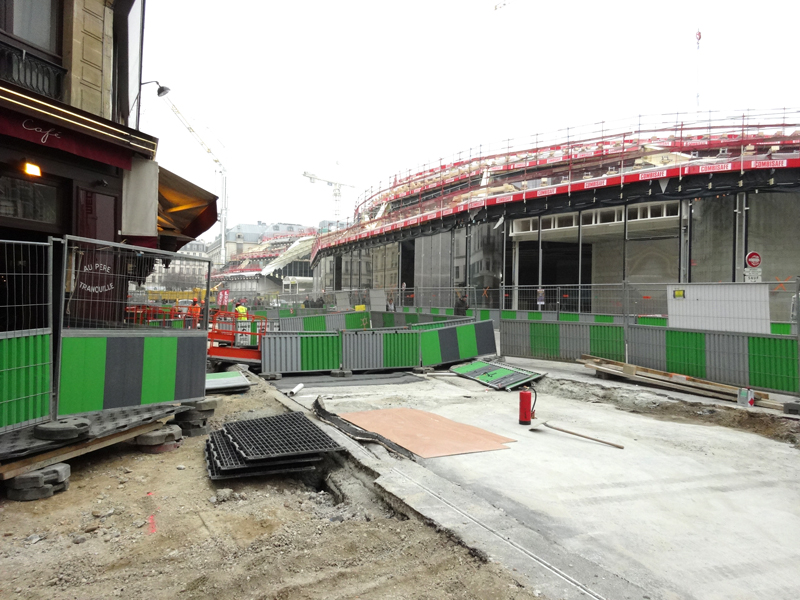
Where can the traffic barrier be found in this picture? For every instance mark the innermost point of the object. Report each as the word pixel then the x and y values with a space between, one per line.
pixel 105 369
pixel 387 348
pixel 746 360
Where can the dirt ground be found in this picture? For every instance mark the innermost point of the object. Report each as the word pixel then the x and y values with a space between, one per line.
pixel 136 525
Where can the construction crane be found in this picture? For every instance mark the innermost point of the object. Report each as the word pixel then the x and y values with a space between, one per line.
pixel 337 192
pixel 223 212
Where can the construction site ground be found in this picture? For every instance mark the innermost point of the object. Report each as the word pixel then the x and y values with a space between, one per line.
pixel 137 525
pixel 701 503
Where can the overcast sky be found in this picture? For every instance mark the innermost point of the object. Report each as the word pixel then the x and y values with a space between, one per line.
pixel 355 91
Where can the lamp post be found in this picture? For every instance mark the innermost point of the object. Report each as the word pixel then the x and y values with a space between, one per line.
pixel 162 91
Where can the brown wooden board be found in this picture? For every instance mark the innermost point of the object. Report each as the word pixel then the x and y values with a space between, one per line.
pixel 39 461
pixel 426 434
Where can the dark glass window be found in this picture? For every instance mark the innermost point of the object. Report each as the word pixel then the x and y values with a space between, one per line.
pixel 28 200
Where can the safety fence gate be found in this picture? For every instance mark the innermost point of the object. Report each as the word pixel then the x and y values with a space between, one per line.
pixel 26 334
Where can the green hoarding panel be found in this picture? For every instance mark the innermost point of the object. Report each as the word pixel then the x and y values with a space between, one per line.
pixel 405 309
pixel 24 379
pixel 285 313
pixel 607 342
pixel 652 321
pixel 412 318
pixel 83 375
pixel 467 342
pixel 388 319
pixel 603 318
pixel 686 353
pixel 431 350
pixel 357 320
pixel 160 366
pixel 320 352
pixel 316 323
pixel 470 312
pixel 469 367
pixel 434 311
pixel 485 315
pixel 400 350
pixel 534 315
pixel 508 314
pixel 780 328
pixel 773 363
pixel 569 317
pixel 545 342
pixel 449 311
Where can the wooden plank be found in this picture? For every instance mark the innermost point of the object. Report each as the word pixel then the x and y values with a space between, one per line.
pixel 39 461
pixel 677 377
pixel 611 370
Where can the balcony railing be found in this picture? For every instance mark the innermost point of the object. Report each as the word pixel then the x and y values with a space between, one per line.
pixel 31 72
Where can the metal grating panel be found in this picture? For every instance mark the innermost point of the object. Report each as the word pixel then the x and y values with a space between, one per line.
pixel 228 459
pixel 215 474
pixel 283 435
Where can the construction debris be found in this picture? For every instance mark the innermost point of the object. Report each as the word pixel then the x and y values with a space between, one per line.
pixel 594 439
pixel 227 382
pixel 496 375
pixel 684 383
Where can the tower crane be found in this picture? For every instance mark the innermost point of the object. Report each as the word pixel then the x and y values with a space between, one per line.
pixel 223 212
pixel 337 192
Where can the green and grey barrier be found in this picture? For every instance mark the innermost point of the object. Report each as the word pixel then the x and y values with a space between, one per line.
pixel 380 348
pixel 102 370
pixel 746 360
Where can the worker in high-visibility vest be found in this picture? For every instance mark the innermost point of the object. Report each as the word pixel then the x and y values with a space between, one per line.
pixel 194 313
pixel 241 312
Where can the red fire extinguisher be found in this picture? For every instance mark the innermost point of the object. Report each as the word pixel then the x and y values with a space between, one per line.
pixel 526 409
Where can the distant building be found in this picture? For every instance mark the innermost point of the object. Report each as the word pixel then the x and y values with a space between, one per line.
pixel 183 274
pixel 240 239
pixel 327 226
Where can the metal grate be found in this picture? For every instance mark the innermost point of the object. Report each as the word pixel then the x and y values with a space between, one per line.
pixel 283 435
pixel 215 473
pixel 227 458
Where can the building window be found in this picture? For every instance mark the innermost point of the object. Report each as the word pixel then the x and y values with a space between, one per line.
pixel 36 22
pixel 20 199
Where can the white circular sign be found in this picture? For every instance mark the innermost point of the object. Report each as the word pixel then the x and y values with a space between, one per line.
pixel 753 259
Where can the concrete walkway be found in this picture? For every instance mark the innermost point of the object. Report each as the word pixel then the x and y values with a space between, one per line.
pixel 684 511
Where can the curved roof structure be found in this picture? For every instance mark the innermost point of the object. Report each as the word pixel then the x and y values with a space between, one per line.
pixel 580 167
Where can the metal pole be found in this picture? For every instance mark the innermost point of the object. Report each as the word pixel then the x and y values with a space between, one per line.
pixel 624 241
pixel 539 281
pixel 580 260
pixel 797 325
pixel 515 296
pixel 625 317
pixel 503 275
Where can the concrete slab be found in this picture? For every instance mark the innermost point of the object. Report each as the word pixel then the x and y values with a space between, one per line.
pixel 685 511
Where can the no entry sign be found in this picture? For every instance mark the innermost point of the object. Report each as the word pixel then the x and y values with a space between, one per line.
pixel 753 259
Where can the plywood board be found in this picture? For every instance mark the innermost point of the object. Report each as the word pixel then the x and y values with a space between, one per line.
pixel 426 434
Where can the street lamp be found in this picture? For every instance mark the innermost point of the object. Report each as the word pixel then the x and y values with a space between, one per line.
pixel 162 91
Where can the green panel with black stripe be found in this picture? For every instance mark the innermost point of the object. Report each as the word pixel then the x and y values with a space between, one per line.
pixel 452 344
pixel 100 373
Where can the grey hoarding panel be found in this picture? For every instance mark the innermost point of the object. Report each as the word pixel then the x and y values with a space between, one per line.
pixel 549 315
pixel 342 301
pixel 574 340
pixel 727 358
pixel 515 338
pixel 647 346
pixel 362 350
pixel 335 322
pixel 291 324
pixel 280 353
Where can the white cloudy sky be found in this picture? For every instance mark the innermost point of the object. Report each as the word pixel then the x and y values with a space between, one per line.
pixel 356 90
